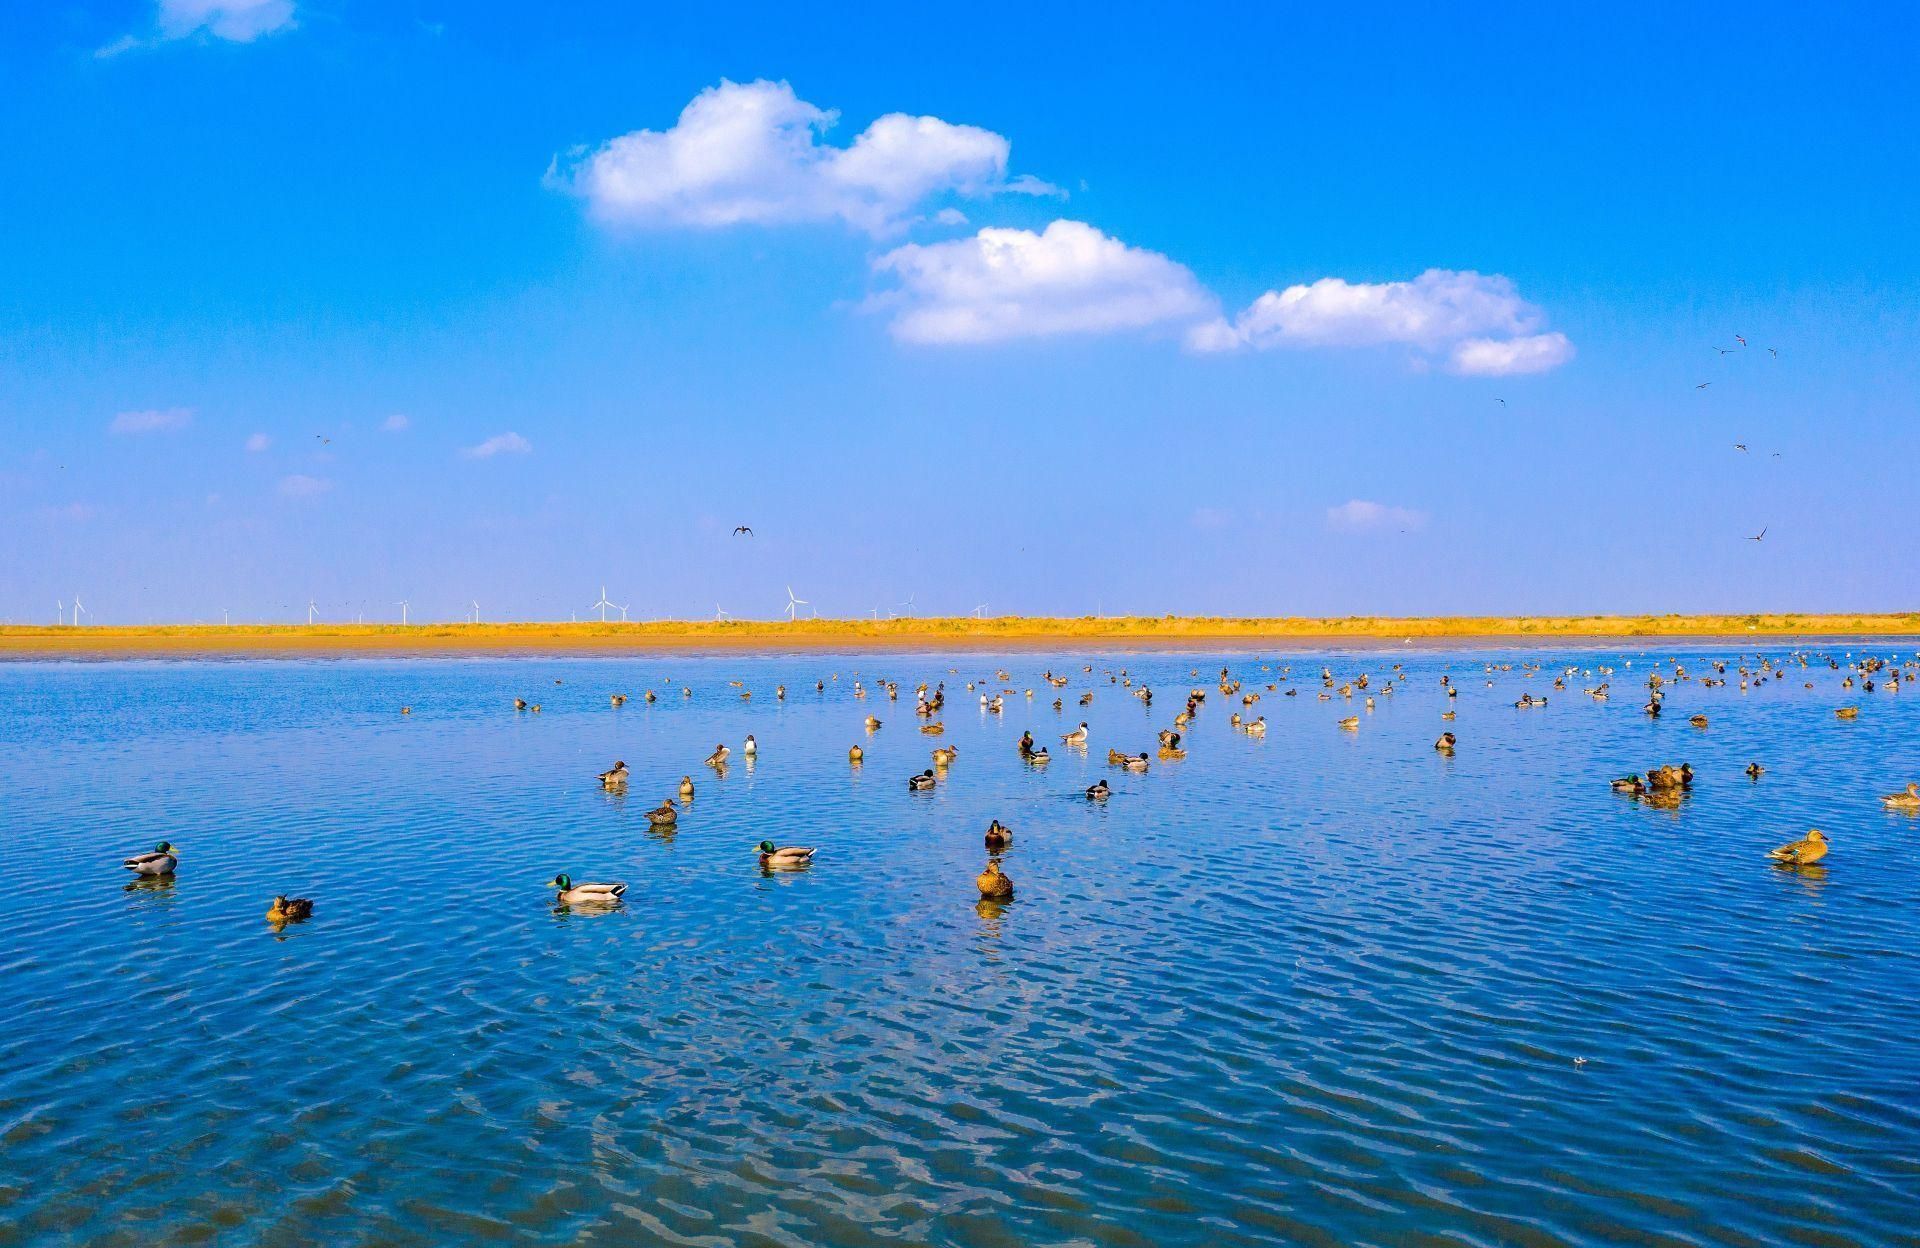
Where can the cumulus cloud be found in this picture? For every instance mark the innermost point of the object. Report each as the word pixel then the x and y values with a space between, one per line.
pixel 1492 357
pixel 751 154
pixel 300 485
pixel 1489 328
pixel 1002 284
pixel 1358 515
pixel 258 442
pixel 499 444
pixel 396 423
pixel 153 420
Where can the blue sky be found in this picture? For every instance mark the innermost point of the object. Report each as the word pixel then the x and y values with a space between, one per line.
pixel 1070 310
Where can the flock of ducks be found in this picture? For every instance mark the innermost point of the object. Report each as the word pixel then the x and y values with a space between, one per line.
pixel 1663 785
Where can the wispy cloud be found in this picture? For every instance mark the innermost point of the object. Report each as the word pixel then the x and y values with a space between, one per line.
pixel 258 442
pixel 751 154
pixel 499 444
pixel 1491 357
pixel 396 423
pixel 235 21
pixel 153 420
pixel 300 485
pixel 1359 515
pixel 1003 284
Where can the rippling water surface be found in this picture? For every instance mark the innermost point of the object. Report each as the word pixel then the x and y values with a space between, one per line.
pixel 1322 987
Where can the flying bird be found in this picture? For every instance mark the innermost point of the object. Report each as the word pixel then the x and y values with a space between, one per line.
pixel 1742 341
pixel 1703 385
pixel 1739 446
pixel 1774 352
pixel 1760 536
pixel 1726 350
pixel 741 530
pixel 1501 402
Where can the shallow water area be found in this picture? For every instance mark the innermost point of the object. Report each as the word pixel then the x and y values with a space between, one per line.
pixel 1321 986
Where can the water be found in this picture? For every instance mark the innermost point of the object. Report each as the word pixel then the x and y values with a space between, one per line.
pixel 1321 988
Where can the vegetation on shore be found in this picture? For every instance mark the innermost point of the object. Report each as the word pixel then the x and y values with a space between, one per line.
pixel 24 640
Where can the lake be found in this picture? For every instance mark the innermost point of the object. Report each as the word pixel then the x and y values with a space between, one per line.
pixel 1321 987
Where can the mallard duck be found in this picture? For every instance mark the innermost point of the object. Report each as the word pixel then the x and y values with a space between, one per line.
pixel 1136 763
pixel 873 725
pixel 406 710
pixel 1448 715
pixel 995 884
pixel 686 788
pixel 572 894
pixel 1910 800
pixel 1116 758
pixel 999 835
pixel 1754 771
pixel 855 754
pixel 1351 723
pixel 750 747
pixel 1810 848
pixel 933 729
pixel 614 776
pixel 1039 757
pixel 161 861
pixel 1258 728
pixel 719 756
pixel 1631 783
pixel 664 815
pixel 1698 721
pixel 1445 743
pixel 1098 791
pixel 944 755
pixel 780 693
pixel 1848 712
pixel 1078 736
pixel 920 783
pixel 618 699
pixel 785 855
pixel 289 909
pixel 519 704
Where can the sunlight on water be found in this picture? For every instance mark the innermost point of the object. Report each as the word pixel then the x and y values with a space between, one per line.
pixel 1321 987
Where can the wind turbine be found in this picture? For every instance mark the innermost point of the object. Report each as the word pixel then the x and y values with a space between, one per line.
pixel 476 611
pixel 224 621
pixel 59 611
pixel 623 613
pixel 403 604
pixel 908 604
pixel 793 604
pixel 602 605
pixel 719 615
pixel 310 610
pixel 77 609
pixel 980 612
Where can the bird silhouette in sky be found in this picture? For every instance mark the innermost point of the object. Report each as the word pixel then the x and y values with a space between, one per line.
pixel 741 530
pixel 1739 446
pixel 1761 536
pixel 1774 352
pixel 1703 385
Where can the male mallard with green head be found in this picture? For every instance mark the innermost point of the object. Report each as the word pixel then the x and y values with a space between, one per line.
pixel 161 861
pixel 785 856
pixel 572 894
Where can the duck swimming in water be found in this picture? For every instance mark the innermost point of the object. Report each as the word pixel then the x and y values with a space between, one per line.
pixel 572 894
pixel 751 747
pixel 786 855
pixel 289 909
pixel 1137 763
pixel 1754 770
pixel 1445 743
pixel 1258 728
pixel 855 754
pixel 1808 849
pixel 1351 723
pixel 1078 736
pixel 1630 784
pixel 994 884
pixel 719 756
pixel 1098 791
pixel 921 783
pixel 161 861
pixel 614 776
pixel 664 815
pixel 1039 757
pixel 944 755
pixel 1698 721
pixel 1909 800
pixel 686 788
pixel 999 836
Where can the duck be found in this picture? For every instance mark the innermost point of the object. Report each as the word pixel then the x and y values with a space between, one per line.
pixel 1445 743
pixel 994 884
pixel 686 788
pixel 572 894
pixel 614 776
pixel 1039 757
pixel 664 815
pixel 1258 728
pixel 785 855
pixel 719 756
pixel 1754 771
pixel 920 783
pixel 519 704
pixel 1026 743
pixel 406 710
pixel 1630 783
pixel 1848 712
pixel 1351 723
pixel 1116 758
pixel 1698 721
pixel 1098 791
pixel 618 699
pixel 1808 849
pixel 1449 715
pixel 934 729
pixel 872 724
pixel 1078 736
pixel 750 747
pixel 161 861
pixel 1909 800
pixel 855 754
pixel 286 909
pixel 999 836
pixel 944 755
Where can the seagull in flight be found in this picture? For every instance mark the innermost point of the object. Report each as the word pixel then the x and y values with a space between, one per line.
pixel 1739 446
pixel 1774 352
pixel 1760 536
pixel 741 530
pixel 1501 402
pixel 1742 341
pixel 1703 385
pixel 324 439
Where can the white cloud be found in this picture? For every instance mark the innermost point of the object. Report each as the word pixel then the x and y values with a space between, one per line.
pixel 396 423
pixel 300 485
pixel 240 21
pixel 750 153
pixel 499 444
pixel 1480 316
pixel 258 442
pixel 1358 515
pixel 1491 357
pixel 153 420
pixel 1002 284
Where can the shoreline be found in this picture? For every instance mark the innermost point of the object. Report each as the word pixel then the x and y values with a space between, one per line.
pixel 1012 633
